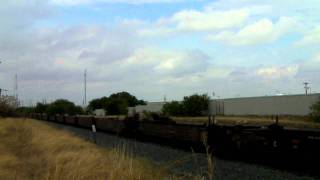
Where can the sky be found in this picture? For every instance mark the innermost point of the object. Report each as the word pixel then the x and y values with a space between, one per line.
pixel 157 48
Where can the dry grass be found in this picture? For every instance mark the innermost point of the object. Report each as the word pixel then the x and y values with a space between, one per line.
pixel 288 121
pixel 33 150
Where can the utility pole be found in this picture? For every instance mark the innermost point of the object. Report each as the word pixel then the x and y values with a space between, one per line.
pixel 16 87
pixel 85 88
pixel 306 87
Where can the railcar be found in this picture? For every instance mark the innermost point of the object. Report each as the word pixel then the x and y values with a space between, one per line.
pixel 109 124
pixel 85 121
pixel 60 118
pixel 71 120
pixel 172 132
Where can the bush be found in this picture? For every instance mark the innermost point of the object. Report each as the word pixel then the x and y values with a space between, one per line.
pixel 194 105
pixel 6 107
pixel 315 111
pixel 41 108
pixel 173 108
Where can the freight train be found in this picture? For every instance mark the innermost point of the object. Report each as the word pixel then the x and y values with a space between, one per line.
pixel 291 148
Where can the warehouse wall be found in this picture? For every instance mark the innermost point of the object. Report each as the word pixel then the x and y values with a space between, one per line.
pixel 270 105
pixel 150 107
pixel 265 105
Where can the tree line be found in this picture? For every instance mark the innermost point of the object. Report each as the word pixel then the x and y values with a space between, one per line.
pixel 59 106
pixel 115 104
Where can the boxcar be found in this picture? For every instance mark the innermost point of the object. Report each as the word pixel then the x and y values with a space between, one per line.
pixel 60 118
pixel 72 120
pixel 174 132
pixel 109 124
pixel 85 121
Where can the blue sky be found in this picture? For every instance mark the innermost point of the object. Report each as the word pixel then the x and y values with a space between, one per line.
pixel 153 48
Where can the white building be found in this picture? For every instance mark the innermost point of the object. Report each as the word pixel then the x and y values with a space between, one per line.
pixel 99 112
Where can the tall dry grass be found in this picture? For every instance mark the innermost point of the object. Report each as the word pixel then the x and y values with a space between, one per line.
pixel 33 150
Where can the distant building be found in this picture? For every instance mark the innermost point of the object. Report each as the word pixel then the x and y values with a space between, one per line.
pixel 99 112
pixel 296 105
pixel 155 107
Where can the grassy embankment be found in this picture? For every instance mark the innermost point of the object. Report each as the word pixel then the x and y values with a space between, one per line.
pixel 287 121
pixel 33 150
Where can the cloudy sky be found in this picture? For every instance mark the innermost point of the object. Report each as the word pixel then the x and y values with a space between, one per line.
pixel 153 48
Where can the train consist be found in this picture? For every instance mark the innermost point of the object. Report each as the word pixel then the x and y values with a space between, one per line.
pixel 274 144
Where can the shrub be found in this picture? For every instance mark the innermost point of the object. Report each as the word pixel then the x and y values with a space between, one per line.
pixel 173 108
pixel 315 111
pixel 6 107
pixel 194 105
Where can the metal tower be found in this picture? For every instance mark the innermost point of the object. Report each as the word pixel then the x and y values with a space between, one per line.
pixel 85 89
pixel 16 87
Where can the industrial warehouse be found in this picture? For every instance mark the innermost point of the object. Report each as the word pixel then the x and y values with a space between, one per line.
pixel 294 105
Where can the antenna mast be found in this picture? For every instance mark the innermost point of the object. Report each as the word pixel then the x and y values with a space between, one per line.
pixel 16 87
pixel 85 88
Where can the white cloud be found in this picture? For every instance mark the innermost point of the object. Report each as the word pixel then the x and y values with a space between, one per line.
pixel 85 2
pixel 309 70
pixel 277 71
pixel 310 38
pixel 191 20
pixel 262 31
pixel 172 63
pixel 197 21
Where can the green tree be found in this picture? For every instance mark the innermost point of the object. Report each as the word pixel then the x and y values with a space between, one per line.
pixel 117 106
pixel 116 103
pixel 315 111
pixel 62 106
pixel 195 105
pixel 41 108
pixel 99 103
pixel 173 108
pixel 128 98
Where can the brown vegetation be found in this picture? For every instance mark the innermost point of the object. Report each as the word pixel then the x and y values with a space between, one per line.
pixel 33 150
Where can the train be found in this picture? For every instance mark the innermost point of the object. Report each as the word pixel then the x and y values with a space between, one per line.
pixel 273 144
